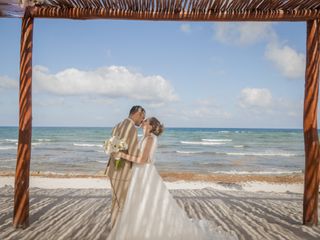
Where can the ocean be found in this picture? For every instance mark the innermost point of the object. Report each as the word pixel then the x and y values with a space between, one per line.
pixel 78 150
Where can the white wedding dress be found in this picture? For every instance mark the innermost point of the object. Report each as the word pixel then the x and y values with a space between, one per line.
pixel 150 211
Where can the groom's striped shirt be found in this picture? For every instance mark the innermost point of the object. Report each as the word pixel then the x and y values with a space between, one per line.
pixel 127 131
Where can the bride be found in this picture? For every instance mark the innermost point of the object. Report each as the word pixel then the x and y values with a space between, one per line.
pixel 150 211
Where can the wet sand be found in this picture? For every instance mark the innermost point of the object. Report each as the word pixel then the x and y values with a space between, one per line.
pixel 185 176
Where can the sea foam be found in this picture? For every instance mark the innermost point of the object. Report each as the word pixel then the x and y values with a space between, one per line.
pixel 216 140
pixel 7 148
pixel 11 140
pixel 261 154
pixel 202 143
pixel 87 145
pixel 188 152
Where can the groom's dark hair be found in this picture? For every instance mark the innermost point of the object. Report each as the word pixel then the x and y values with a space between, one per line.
pixel 135 109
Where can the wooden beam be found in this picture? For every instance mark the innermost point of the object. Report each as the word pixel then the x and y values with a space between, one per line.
pixel 21 194
pixel 210 15
pixel 311 140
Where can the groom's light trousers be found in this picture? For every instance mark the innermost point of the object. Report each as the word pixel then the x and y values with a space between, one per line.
pixel 120 178
pixel 120 181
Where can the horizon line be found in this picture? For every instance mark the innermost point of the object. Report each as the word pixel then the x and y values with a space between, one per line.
pixel 165 127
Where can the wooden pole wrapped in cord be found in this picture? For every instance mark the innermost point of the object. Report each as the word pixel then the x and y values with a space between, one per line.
pixel 21 194
pixel 311 141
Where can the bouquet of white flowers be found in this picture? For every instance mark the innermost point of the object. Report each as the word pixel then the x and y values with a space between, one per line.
pixel 114 145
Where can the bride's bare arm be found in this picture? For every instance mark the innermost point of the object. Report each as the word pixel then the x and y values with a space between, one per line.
pixel 144 155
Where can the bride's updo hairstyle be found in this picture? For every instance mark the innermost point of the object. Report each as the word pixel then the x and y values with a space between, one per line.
pixel 157 127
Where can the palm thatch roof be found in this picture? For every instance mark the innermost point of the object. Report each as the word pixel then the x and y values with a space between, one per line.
pixel 193 10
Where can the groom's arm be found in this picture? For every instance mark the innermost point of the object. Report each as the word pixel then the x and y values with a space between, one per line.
pixel 144 157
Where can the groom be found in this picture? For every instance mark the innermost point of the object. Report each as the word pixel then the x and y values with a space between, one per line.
pixel 120 176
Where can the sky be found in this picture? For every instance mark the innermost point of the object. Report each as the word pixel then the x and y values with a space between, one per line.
pixel 187 74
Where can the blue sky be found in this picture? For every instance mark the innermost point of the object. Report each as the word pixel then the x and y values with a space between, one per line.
pixel 188 74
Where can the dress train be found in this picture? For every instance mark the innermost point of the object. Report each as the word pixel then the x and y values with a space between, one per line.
pixel 151 212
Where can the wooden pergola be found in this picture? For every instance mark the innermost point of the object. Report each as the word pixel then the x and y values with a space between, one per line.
pixel 168 10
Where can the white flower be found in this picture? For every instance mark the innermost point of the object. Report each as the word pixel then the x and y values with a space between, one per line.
pixel 115 144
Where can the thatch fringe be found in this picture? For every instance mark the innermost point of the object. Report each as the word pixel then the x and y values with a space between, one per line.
pixel 203 6
pixel 202 10
pixel 96 13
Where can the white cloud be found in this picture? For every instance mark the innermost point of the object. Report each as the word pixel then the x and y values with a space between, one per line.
pixel 49 102
pixel 205 109
pixel 7 83
pixel 206 113
pixel 288 61
pixel 186 28
pixel 255 97
pixel 259 102
pixel 155 105
pixel 96 100
pixel 112 82
pixel 243 33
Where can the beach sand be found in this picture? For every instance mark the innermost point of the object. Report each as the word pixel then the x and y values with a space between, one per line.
pixel 78 207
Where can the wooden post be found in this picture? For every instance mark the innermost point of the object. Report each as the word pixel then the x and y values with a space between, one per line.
pixel 21 194
pixel 311 141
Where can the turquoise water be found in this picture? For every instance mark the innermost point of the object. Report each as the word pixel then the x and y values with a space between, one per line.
pixel 209 150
